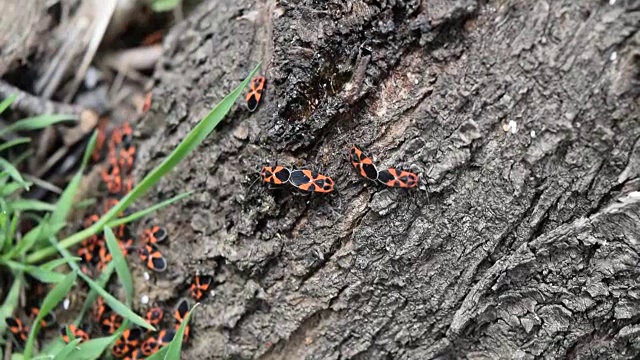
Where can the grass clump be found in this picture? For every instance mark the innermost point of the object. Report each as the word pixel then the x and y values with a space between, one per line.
pixel 27 255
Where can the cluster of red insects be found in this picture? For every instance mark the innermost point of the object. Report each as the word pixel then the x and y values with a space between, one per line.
pixel 312 181
pixel 134 343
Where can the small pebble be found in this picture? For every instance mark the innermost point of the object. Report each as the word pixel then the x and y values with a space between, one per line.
pixel 144 300
pixel 533 134
pixel 611 2
pixel 65 303
pixel 146 276
pixel 513 126
pixel 241 132
pixel 614 56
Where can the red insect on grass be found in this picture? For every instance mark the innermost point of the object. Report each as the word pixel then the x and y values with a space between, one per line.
pixel 46 321
pixel 75 332
pixel 181 310
pixel 155 342
pixel 99 308
pixel 127 342
pixel 17 328
pixel 154 316
pixel 111 323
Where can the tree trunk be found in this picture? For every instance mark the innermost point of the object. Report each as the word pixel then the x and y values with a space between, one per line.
pixel 522 117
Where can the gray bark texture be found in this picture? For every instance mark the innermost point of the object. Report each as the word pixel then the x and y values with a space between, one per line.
pixel 523 118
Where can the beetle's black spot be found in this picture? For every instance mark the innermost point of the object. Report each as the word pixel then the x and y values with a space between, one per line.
pixel 159 264
pixel 283 175
pixel 252 102
pixel 370 171
pixel 298 178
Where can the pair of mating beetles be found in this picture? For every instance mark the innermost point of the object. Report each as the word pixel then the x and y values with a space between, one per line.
pixel 312 181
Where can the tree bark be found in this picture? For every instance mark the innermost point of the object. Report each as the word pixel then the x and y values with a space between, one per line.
pixel 522 117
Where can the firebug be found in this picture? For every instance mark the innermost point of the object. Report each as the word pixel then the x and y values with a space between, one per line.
pixel 311 181
pixel 154 316
pixel 199 286
pixel 99 308
pixel 19 331
pixel 255 92
pixel 46 321
pixel 181 310
pixel 127 342
pixel 111 323
pixel 154 343
pixel 395 178
pixel 75 331
pixel 100 139
pixel 154 235
pixel 276 175
pixel 151 255
pixel 363 163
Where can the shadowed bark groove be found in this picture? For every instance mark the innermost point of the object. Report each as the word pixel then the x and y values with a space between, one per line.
pixel 522 116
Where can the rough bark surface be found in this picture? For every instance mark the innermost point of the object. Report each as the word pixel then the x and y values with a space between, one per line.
pixel 522 116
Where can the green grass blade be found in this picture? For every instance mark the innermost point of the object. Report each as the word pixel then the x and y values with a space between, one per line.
pixel 43 275
pixel 159 355
pixel 10 235
pixel 10 302
pixel 92 349
pixel 121 265
pixel 14 142
pixel 6 102
pixel 195 137
pixel 139 214
pixel 10 188
pixel 116 305
pixel 65 202
pixel 175 346
pixel 53 298
pixel 113 303
pixel 37 122
pixel 30 205
pixel 64 353
pixel 49 266
pixel 164 5
pixel 13 172
pixel 89 149
pixel 40 232
pixel 91 297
